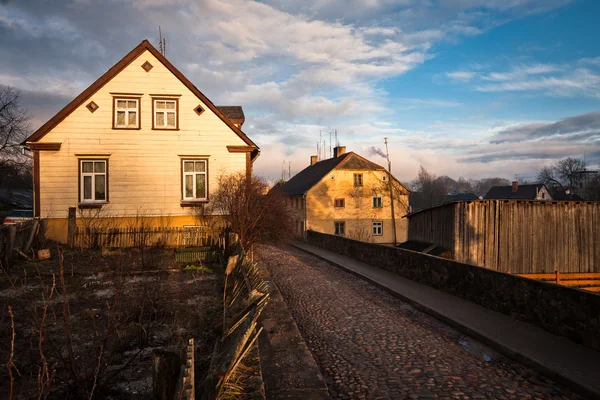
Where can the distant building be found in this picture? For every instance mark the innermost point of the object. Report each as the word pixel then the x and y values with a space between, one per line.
pixel 565 194
pixel 537 191
pixel 460 197
pixel 348 195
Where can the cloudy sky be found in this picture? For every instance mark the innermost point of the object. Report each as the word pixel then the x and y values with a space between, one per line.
pixel 467 88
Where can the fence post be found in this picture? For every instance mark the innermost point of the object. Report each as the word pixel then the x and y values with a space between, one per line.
pixel 10 244
pixel 71 226
pixel 42 233
pixel 557 274
pixel 34 227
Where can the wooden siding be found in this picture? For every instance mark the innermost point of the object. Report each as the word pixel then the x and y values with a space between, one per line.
pixel 145 164
pixel 517 236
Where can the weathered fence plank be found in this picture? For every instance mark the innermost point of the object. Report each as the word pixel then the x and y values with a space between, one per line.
pixel 515 235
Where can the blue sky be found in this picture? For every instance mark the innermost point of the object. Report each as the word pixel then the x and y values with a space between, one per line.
pixel 468 88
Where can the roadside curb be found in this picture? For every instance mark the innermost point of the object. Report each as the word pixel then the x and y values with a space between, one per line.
pixel 474 333
pixel 288 367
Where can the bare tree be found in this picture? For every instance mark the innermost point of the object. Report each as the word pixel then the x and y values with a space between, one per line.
pixel 254 212
pixel 14 126
pixel 566 174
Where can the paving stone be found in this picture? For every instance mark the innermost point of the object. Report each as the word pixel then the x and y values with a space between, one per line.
pixel 372 345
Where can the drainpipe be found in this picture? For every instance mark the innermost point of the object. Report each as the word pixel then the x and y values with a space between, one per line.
pixel 304 230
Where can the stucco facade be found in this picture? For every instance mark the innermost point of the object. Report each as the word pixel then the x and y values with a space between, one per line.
pixel 340 203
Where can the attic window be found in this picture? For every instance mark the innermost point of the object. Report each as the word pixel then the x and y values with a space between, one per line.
pixel 199 110
pixel 92 106
pixel 147 66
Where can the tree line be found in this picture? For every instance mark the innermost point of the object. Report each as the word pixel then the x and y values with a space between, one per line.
pixel 570 176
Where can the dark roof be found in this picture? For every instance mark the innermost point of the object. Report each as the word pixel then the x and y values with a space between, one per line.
pixel 113 71
pixel 460 196
pixel 18 198
pixel 561 194
pixel 525 192
pixel 311 175
pixel 232 112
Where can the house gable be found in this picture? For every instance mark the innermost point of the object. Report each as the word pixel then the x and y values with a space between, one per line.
pixel 128 77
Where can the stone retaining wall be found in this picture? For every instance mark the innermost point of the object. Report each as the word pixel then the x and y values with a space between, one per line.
pixel 564 311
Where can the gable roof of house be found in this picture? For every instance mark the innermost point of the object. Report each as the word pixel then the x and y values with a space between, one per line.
pixel 304 180
pixel 113 71
pixel 311 175
pixel 525 192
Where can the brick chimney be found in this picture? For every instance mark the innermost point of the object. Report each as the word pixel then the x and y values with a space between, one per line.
pixel 515 186
pixel 313 160
pixel 338 151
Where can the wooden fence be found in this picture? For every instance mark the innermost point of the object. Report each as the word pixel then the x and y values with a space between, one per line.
pixel 19 240
pixel 85 237
pixel 245 295
pixel 515 235
pixel 585 281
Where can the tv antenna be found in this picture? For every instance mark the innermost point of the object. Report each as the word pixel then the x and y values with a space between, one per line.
pixel 162 43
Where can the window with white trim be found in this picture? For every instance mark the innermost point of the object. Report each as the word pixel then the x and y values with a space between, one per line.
pixel 165 114
pixel 195 180
pixel 339 228
pixel 127 113
pixel 377 228
pixel 93 181
pixel 377 202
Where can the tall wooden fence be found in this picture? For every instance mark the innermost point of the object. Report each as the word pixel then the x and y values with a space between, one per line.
pixel 86 237
pixel 522 237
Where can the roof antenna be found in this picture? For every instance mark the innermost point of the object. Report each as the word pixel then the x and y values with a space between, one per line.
pixel 330 151
pixel 318 152
pixel 289 170
pixel 337 142
pixel 162 43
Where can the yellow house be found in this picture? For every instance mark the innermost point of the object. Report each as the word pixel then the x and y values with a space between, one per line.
pixel 140 142
pixel 348 195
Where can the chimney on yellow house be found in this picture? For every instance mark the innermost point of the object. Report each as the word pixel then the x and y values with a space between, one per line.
pixel 313 160
pixel 338 151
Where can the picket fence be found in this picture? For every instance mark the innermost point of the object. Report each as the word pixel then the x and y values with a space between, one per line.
pixel 86 237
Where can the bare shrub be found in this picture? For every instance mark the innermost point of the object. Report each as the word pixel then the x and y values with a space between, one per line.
pixel 254 212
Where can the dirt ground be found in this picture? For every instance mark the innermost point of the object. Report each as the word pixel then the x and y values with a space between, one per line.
pixel 88 329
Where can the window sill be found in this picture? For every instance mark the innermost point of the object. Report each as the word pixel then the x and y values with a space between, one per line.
pixel 192 203
pixel 92 205
pixel 165 129
pixel 116 128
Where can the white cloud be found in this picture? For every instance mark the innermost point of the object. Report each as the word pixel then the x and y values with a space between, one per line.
pixel 462 76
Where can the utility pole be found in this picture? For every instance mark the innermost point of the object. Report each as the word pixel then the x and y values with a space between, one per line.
pixel 283 170
pixel 391 190
pixel 289 170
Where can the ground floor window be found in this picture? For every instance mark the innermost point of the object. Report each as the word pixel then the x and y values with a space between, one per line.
pixel 92 180
pixel 377 228
pixel 195 179
pixel 340 228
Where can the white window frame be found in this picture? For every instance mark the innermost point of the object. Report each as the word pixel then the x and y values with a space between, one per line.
pixel 336 230
pixel 93 175
pixel 165 111
pixel 377 228
pixel 193 174
pixel 377 202
pixel 127 110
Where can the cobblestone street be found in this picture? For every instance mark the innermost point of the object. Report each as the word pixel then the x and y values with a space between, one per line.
pixel 371 345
